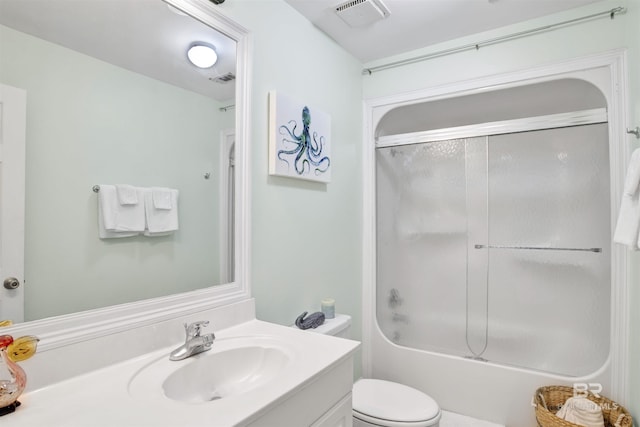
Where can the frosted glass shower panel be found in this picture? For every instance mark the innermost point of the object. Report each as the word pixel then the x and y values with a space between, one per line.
pixel 422 245
pixel 477 297
pixel 498 248
pixel 549 189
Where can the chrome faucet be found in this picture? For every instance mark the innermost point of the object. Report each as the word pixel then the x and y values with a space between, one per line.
pixel 194 342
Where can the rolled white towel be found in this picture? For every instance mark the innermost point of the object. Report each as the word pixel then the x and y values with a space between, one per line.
pixel 582 411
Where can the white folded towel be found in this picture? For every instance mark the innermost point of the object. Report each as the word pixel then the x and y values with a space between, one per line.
pixel 582 411
pixel 632 180
pixel 161 221
pixel 627 229
pixel 107 234
pixel 118 218
pixel 162 198
pixel 127 194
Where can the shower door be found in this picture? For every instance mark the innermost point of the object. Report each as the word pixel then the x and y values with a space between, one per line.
pixel 498 247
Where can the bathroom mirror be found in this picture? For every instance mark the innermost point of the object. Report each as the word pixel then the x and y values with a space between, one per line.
pixel 112 99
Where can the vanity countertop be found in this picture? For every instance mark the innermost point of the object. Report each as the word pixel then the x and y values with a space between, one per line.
pixel 103 397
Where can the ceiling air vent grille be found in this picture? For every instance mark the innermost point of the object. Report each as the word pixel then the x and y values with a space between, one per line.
pixel 359 13
pixel 225 78
pixel 349 4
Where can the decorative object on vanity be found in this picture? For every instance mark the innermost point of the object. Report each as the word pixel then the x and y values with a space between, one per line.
pixel 299 140
pixel 312 321
pixel 328 308
pixel 549 400
pixel 126 211
pixel 13 379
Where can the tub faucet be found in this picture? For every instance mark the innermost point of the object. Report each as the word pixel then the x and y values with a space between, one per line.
pixel 194 342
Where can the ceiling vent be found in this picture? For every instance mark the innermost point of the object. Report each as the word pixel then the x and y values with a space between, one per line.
pixel 359 13
pixel 225 78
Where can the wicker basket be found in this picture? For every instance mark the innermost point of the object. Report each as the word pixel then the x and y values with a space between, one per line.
pixel 549 400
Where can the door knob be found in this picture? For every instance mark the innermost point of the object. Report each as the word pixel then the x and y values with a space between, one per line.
pixel 11 283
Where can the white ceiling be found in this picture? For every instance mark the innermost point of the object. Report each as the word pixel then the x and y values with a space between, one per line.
pixel 146 37
pixel 419 23
pixel 143 36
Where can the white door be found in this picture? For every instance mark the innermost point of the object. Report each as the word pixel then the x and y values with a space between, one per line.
pixel 13 104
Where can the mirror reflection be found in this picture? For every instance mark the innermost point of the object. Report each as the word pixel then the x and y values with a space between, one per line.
pixel 113 99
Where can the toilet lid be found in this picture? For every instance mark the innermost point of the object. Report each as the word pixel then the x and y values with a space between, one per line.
pixel 392 401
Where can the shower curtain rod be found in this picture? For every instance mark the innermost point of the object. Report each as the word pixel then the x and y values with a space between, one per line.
pixel 611 13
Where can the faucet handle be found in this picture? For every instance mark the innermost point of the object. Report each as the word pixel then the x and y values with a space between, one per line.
pixel 193 329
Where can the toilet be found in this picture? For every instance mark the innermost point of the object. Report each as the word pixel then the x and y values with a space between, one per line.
pixel 389 404
pixel 379 403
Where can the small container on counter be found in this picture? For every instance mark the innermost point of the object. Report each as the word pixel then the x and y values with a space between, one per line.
pixel 328 308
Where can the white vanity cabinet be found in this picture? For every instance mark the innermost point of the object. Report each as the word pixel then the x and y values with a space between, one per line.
pixel 338 416
pixel 324 401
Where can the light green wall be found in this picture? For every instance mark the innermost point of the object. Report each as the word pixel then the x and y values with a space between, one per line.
pixel 291 56
pixel 89 122
pixel 560 44
pixel 306 236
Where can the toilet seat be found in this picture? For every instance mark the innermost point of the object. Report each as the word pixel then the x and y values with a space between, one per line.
pixel 389 404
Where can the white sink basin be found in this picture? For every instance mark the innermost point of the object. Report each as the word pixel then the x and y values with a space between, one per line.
pixel 232 367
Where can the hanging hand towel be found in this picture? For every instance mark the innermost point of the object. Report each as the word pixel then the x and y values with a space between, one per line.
pixel 581 411
pixel 162 198
pixel 116 218
pixel 161 221
pixel 127 194
pixel 627 229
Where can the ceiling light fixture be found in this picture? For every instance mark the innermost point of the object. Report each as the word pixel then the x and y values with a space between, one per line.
pixel 202 55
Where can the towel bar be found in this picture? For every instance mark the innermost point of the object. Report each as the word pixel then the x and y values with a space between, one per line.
pixel 538 248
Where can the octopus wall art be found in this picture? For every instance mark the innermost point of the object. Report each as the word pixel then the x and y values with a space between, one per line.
pixel 299 140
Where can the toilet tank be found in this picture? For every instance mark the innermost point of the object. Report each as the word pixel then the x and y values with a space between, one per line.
pixel 340 326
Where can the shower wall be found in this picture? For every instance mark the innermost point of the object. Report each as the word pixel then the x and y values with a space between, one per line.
pixel 497 248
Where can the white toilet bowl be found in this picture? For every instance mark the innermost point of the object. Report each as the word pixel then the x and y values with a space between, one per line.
pixel 379 403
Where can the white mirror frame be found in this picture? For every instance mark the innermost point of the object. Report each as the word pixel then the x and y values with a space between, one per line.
pixel 59 331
